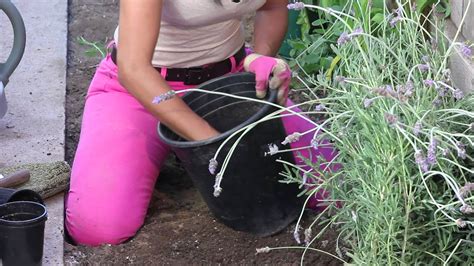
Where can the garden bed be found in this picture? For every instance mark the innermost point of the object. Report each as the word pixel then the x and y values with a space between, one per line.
pixel 179 228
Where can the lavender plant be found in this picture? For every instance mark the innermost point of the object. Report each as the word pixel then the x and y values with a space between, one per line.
pixel 405 136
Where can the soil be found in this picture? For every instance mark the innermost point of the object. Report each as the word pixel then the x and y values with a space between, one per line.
pixel 179 229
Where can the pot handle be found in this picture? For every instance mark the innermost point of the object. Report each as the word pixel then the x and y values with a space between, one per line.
pixel 19 40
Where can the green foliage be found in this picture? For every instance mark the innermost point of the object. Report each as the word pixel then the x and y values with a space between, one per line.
pixel 396 208
pixel 95 48
pixel 320 30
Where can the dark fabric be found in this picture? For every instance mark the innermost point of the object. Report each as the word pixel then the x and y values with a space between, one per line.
pixel 197 75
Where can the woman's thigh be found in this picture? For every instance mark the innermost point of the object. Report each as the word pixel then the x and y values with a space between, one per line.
pixel 116 164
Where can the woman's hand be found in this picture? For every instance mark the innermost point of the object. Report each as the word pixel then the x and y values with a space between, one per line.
pixel 269 72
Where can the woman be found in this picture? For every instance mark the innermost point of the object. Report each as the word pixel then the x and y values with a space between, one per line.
pixel 161 45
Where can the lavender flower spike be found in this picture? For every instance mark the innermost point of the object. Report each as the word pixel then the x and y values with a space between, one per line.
pixel 319 107
pixel 424 67
pixel 466 50
pixel 461 149
pixel 466 189
pixel 344 38
pixel 263 250
pixel 458 94
pixel 431 157
pixel 429 82
pixel 391 119
pixel 272 149
pixel 213 166
pixel 368 102
pixel 466 209
pixel 421 161
pixel 296 6
pixel 294 137
pixel 417 128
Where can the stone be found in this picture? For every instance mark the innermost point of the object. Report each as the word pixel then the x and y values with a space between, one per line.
pixel 457 11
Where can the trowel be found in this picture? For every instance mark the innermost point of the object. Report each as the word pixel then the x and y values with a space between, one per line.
pixel 19 40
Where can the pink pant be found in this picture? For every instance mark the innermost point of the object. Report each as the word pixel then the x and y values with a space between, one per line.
pixel 118 160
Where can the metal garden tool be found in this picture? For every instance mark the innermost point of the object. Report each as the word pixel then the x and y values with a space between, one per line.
pixel 19 40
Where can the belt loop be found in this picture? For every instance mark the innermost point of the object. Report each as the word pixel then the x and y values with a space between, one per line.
pixel 163 72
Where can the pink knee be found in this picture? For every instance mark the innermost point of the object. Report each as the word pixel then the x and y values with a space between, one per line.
pixel 91 226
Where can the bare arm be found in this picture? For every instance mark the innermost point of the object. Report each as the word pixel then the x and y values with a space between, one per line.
pixel 139 28
pixel 271 23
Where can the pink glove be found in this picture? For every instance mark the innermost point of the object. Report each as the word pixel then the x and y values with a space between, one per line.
pixel 269 72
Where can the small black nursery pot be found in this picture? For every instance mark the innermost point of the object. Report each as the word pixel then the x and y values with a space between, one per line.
pixel 10 195
pixel 253 200
pixel 22 233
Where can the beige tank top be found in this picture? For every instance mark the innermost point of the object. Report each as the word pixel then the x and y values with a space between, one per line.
pixel 198 32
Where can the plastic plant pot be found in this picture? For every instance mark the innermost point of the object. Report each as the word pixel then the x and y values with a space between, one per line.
pixel 10 195
pixel 252 200
pixel 22 233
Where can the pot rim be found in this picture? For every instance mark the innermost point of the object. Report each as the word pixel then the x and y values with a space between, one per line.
pixel 272 97
pixel 42 217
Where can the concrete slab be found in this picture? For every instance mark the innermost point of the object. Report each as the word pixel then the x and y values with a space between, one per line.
pixel 457 11
pixel 468 27
pixel 33 129
pixel 53 251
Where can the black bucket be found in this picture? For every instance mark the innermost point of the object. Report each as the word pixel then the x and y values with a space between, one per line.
pixel 22 233
pixel 10 195
pixel 252 200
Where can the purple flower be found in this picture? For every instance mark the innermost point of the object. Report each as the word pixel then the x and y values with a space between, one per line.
pixel 436 102
pixel 409 87
pixel 296 6
pixel 391 119
pixel 344 38
pixel 424 67
pixel 466 209
pixel 442 91
pixel 421 161
pixel 340 79
pixel 458 94
pixel 431 156
pixel 429 82
pixel 357 31
pixel 213 166
pixel 446 152
pixel 319 107
pixel 461 149
pixel 368 102
pixel 461 223
pixel 466 51
pixel 466 189
pixel 393 22
pixel 417 128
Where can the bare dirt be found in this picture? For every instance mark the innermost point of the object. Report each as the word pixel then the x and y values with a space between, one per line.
pixel 178 229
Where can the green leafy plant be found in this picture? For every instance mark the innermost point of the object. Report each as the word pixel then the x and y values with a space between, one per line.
pixel 95 48
pixel 405 137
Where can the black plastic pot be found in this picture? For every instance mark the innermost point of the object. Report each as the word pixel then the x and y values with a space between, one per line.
pixel 10 195
pixel 252 199
pixel 22 233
